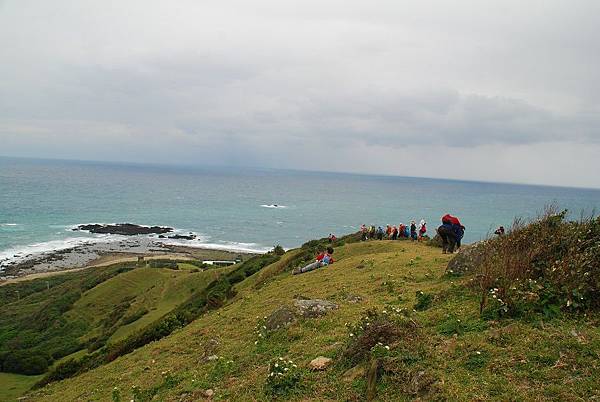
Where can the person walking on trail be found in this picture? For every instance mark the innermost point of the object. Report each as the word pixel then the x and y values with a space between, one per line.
pixel 413 230
pixel 321 260
pixel 380 233
pixel 459 229
pixel 499 231
pixel 394 233
pixel 422 228
pixel 452 232
pixel 448 235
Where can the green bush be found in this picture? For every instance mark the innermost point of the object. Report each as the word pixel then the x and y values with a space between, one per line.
pixel 424 301
pixel 24 362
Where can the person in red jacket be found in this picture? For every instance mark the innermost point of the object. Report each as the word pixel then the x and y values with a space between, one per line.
pixel 322 259
pixel 451 224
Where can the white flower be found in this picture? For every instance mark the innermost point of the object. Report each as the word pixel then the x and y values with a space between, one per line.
pixel 387 347
pixel 351 334
pixel 478 352
pixel 276 365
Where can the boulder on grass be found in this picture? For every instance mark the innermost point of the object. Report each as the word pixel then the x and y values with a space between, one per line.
pixel 313 308
pixel 281 317
pixel 320 363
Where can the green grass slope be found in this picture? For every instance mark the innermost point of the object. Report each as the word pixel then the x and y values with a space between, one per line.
pixel 434 345
pixel 45 322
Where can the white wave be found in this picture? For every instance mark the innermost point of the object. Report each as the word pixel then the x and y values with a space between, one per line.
pixel 273 206
pixel 9 224
pixel 22 253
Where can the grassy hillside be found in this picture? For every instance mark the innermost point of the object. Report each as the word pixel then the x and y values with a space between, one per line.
pixel 402 326
pixel 48 321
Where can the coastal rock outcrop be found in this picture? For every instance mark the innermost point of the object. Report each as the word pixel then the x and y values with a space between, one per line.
pixel 183 237
pixel 126 229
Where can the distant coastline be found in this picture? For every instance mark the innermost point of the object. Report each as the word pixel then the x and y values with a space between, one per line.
pixel 84 252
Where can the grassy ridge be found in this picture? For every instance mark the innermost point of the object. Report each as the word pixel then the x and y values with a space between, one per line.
pixel 444 349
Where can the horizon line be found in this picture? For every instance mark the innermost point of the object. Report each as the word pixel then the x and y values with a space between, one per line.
pixel 191 165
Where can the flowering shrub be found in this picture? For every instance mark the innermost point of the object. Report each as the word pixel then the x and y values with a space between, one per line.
pixel 380 350
pixel 260 330
pixel 376 331
pixel 544 267
pixel 283 378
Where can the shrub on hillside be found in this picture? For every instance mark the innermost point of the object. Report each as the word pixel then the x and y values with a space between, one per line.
pixel 133 317
pixel 283 379
pixel 278 250
pixel 423 300
pixel 545 266
pixel 377 328
pixel 24 362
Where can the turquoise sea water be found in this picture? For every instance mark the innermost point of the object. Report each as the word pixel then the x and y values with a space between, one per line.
pixel 41 200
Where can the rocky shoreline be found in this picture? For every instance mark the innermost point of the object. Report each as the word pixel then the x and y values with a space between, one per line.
pixel 92 253
pixel 124 229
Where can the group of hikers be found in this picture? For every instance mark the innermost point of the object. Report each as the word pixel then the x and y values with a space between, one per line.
pixel 451 232
pixel 411 231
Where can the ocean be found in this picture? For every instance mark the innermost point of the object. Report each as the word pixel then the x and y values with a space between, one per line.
pixel 234 208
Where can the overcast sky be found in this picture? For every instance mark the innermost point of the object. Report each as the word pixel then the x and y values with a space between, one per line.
pixel 486 90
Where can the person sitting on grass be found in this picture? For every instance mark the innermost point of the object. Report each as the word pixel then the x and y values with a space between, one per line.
pixel 322 259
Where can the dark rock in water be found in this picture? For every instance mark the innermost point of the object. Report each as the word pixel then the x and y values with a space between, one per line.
pixel 162 236
pixel 313 308
pixel 469 257
pixel 182 237
pixel 280 318
pixel 127 229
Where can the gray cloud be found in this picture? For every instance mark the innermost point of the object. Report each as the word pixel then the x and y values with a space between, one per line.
pixel 270 83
